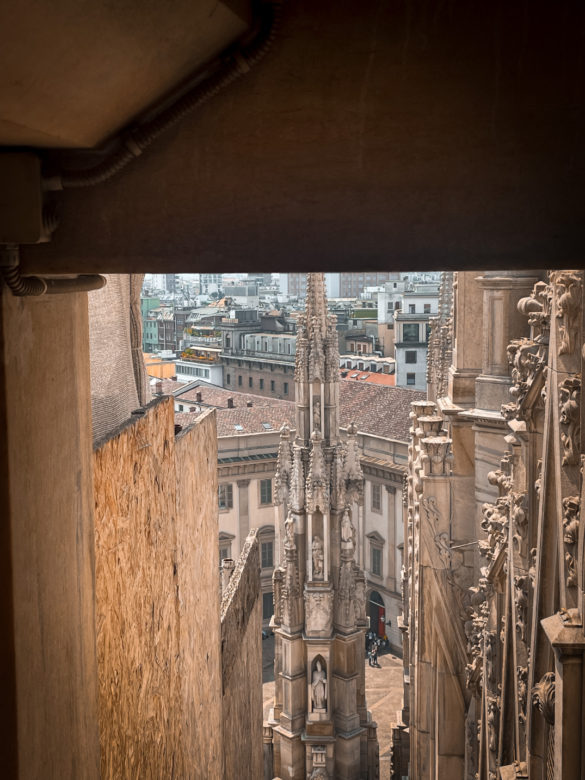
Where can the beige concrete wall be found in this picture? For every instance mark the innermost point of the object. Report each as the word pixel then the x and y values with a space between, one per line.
pixel 241 642
pixel 48 630
pixel 157 599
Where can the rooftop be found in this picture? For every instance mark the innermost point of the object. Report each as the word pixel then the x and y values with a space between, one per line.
pixel 376 409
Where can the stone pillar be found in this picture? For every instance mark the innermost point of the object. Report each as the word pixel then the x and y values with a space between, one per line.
pixel 268 757
pixel 568 643
pixel 501 321
pixel 243 508
pixel 48 652
pixel 466 366
pixel 391 525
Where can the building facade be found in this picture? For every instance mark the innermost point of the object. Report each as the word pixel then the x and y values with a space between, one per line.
pixel 257 360
pixel 494 577
pixel 412 330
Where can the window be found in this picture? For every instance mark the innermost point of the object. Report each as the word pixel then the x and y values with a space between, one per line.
pixel 412 308
pixel 250 382
pixel 410 356
pixel 376 561
pixel 224 552
pixel 267 601
pixel 285 388
pixel 376 497
pixel 411 379
pixel 272 385
pixel 427 308
pixel 266 549
pixel 261 384
pixel 228 379
pixel 265 491
pixel 226 496
pixel 410 331
pixel 180 407
pixel 239 380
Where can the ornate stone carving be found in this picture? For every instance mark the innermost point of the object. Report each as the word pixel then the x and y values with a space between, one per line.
pixel 495 524
pixel 570 390
pixel 291 601
pixel 436 459
pixel 317 482
pixel 319 687
pixel 519 520
pixel 317 556
pixel 490 656
pixel 571 537
pixel 277 583
pixel 543 697
pixel 318 612
pixel 568 289
pixel 347 533
pixel 522 691
pixel 283 466
pixel 297 481
pixel 521 600
pixel 493 713
pixel 527 356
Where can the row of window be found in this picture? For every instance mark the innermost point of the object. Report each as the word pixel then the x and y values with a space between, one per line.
pixel 226 494
pixel 266 553
pixel 267 558
pixel 228 381
pixel 193 371
pixel 258 365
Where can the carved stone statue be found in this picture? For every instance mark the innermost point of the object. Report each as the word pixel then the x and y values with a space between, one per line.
pixel 289 528
pixel 319 688
pixel 347 533
pixel 318 557
pixel 317 414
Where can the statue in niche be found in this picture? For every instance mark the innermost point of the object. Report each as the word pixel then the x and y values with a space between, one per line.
pixel 318 557
pixel 289 529
pixel 317 414
pixel 319 688
pixel 347 532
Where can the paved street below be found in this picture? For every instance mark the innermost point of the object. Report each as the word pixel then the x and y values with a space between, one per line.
pixel 383 694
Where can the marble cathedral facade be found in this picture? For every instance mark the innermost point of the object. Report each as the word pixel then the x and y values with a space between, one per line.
pixel 494 581
pixel 319 727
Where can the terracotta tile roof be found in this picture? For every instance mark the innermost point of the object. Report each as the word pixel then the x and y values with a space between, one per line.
pixel 212 395
pixel 255 419
pixel 377 409
pixel 389 380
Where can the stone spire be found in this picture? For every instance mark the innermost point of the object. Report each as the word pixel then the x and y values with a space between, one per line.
pixel 319 724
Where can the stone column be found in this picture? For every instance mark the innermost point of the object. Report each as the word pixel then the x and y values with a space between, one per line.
pixel 568 643
pixel 501 321
pixel 466 366
pixel 48 654
pixel 391 525
pixel 243 508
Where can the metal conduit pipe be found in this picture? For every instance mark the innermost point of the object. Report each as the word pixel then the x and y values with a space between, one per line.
pixel 22 286
pixel 135 141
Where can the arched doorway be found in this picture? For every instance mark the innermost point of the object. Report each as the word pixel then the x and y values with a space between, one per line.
pixel 377 613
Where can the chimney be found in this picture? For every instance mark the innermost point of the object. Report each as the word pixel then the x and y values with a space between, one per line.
pixel 192 408
pixel 158 388
pixel 198 397
pixel 230 403
pixel 227 569
pixel 249 403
